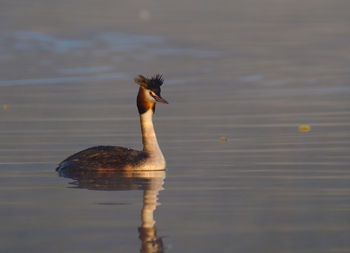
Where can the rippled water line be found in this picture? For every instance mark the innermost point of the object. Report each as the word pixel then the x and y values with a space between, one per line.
pixel 307 91
pixel 304 163
pixel 117 118
pixel 85 70
pixel 15 150
pixel 271 150
pixel 225 125
pixel 55 131
pixel 278 125
pixel 192 118
pixel 112 42
pixel 24 40
pixel 24 163
pixel 56 80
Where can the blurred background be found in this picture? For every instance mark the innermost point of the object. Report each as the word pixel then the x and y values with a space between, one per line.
pixel 256 133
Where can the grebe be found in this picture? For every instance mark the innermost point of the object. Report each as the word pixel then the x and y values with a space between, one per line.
pixel 120 158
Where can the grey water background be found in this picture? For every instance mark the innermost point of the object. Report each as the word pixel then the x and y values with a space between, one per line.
pixel 241 77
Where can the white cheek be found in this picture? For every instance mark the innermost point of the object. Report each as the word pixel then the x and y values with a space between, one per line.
pixel 150 98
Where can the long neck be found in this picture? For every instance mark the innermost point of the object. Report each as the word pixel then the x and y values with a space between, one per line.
pixel 149 138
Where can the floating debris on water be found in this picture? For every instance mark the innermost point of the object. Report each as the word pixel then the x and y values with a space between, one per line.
pixel 5 107
pixel 223 138
pixel 304 128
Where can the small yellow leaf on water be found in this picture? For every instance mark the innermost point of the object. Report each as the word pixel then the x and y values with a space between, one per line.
pixel 223 138
pixel 304 128
pixel 5 107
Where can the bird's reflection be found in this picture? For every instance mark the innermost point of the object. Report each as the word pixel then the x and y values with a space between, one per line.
pixel 150 182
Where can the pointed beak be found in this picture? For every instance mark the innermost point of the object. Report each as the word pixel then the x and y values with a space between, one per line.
pixel 161 100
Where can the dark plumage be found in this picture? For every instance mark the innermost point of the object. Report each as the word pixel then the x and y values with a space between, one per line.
pixel 103 157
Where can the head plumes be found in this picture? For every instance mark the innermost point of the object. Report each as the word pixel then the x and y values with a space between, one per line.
pixel 152 84
pixel 149 92
pixel 156 81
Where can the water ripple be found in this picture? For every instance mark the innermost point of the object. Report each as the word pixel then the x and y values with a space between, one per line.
pixel 70 79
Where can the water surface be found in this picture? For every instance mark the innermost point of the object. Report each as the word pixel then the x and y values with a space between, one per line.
pixel 241 78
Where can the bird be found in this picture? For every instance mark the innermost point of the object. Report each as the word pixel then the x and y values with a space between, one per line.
pixel 115 158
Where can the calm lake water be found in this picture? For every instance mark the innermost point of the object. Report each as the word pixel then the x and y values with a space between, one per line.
pixel 256 134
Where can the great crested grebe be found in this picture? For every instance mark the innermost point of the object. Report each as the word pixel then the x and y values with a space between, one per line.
pixel 120 158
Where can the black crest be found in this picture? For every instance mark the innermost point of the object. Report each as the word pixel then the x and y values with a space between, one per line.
pixel 152 84
pixel 156 80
